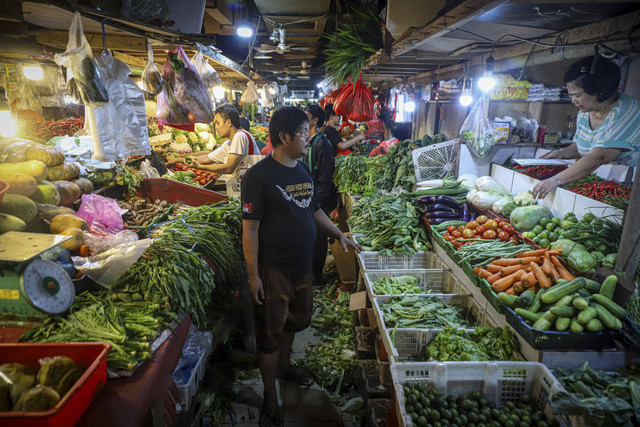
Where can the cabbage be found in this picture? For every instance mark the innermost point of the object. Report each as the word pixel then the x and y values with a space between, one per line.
pixel 508 208
pixel 468 181
pixel 497 206
pixel 486 183
pixel 567 246
pixel 485 200
pixel 470 195
pixel 609 261
pixel 526 217
pixel 598 256
pixel 582 261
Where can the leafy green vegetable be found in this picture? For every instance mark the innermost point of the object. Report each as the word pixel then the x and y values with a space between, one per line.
pixel 582 261
pixel 397 285
pixel 422 312
pixel 481 344
pixel 350 175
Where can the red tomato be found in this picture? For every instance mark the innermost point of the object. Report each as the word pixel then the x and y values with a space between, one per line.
pixel 456 244
pixel 448 237
pixel 460 228
pixel 481 219
pixel 468 233
pixel 515 240
pixel 489 234
pixel 451 228
pixel 480 229
pixel 457 234
pixel 491 225
pixel 504 236
pixel 508 228
pixel 472 225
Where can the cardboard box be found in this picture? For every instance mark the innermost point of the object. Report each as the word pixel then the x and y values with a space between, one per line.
pixel 345 261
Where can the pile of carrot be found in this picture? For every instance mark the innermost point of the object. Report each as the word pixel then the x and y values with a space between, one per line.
pixel 528 270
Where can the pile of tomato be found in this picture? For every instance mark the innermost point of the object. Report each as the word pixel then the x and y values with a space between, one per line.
pixel 481 228
pixel 202 177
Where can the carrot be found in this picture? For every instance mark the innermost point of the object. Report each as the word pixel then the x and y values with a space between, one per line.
pixel 554 272
pixel 537 252
pixel 494 268
pixel 546 266
pixel 543 280
pixel 501 284
pixel 562 271
pixel 510 291
pixel 514 261
pixel 518 288
pixel 495 276
pixel 512 269
pixel 529 279
pixel 482 273
pixel 555 252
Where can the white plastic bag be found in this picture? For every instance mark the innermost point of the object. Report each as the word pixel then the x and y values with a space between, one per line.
pixel 209 75
pixel 84 80
pixel 250 96
pixel 99 243
pixel 151 78
pixel 477 131
pixel 147 170
pixel 119 128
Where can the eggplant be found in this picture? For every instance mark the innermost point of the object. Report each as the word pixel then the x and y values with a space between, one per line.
pixel 443 214
pixel 448 201
pixel 465 215
pixel 436 221
pixel 439 207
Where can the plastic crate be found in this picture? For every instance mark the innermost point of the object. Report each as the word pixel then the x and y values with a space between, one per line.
pixel 188 390
pixel 489 294
pixel 498 382
pixel 369 380
pixel 91 356
pixel 433 280
pixel 365 338
pixel 369 261
pixel 631 334
pixel 448 247
pixel 384 370
pixel 554 340
pixel 377 410
pixel 169 190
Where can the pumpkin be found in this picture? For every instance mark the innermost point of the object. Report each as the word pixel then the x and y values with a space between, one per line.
pixel 50 156
pixel 69 191
pixel 61 222
pixel 66 171
pixel 85 185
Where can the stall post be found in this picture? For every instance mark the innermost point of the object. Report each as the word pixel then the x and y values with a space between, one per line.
pixel 627 260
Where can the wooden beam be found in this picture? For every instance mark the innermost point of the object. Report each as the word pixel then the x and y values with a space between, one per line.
pixel 220 14
pixel 132 61
pixel 629 251
pixel 458 16
pixel 61 38
pixel 11 10
pixel 224 61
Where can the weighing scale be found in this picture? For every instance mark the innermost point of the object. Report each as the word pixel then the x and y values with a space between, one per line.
pixel 31 290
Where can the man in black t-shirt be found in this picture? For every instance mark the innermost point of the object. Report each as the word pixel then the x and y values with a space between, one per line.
pixel 333 120
pixel 280 214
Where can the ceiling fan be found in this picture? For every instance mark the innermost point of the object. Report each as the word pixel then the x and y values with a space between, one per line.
pixel 278 36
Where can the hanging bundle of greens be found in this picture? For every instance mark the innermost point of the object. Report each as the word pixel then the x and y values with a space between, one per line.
pixel 351 45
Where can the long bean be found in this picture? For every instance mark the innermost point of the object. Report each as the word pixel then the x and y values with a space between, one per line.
pixel 482 252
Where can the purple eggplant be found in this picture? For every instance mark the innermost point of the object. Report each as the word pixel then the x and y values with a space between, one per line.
pixel 443 214
pixel 444 200
pixel 439 207
pixel 465 215
pixel 436 221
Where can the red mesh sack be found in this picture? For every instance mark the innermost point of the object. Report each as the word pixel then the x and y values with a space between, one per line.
pixel 360 105
pixel 342 99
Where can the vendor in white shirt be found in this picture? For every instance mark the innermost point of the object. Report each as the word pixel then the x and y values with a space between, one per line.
pixel 226 158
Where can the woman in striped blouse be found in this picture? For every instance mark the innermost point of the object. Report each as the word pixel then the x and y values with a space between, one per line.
pixel 607 127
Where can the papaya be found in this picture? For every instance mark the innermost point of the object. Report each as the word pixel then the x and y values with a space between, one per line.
pixel 21 183
pixel 19 206
pixel 11 223
pixel 46 193
pixel 35 168
pixel 77 239
pixel 61 222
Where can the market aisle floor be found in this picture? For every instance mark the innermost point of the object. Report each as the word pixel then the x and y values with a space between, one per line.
pixel 302 406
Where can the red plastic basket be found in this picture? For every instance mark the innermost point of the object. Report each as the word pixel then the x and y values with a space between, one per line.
pixel 92 356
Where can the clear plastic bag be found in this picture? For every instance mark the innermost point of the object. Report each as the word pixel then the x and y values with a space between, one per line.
pixel 84 81
pixel 184 98
pixel 102 210
pixel 99 243
pixel 107 267
pixel 250 95
pixel 477 131
pixel 209 75
pixel 151 78
pixel 147 170
pixel 119 129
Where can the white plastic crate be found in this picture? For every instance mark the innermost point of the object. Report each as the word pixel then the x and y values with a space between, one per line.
pixel 435 280
pixel 498 382
pixel 188 390
pixel 369 261
pixel 384 367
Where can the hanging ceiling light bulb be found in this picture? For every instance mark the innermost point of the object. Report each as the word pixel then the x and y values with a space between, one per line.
pixel 466 98
pixel 487 82
pixel 33 72
pixel 218 92
pixel 244 30
pixel 8 126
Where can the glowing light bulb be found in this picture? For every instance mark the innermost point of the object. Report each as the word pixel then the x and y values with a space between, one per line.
pixel 486 82
pixel 8 126
pixel 409 107
pixel 244 30
pixel 218 92
pixel 33 72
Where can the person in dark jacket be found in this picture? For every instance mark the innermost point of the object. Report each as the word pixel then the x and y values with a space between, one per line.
pixel 320 160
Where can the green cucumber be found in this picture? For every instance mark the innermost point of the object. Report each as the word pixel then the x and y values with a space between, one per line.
pixel 526 298
pixel 594 325
pixel 608 319
pixel 561 281
pixel 609 286
pixel 528 315
pixel 563 311
pixel 444 225
pixel 586 315
pixel 535 306
pixel 576 327
pixel 580 303
pixel 592 286
pixel 564 301
pixel 562 324
pixel 545 322
pixel 584 293
pixel 555 293
pixel 614 308
pixel 508 299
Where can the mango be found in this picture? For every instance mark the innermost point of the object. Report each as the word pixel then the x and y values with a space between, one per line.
pixel 21 183
pixel 46 193
pixel 11 223
pixel 62 222
pixel 77 239
pixel 35 168
pixel 19 206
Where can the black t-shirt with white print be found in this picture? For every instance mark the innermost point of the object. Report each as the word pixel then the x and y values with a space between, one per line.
pixel 283 200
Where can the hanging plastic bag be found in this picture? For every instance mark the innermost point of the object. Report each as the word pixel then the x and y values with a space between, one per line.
pixel 184 99
pixel 342 99
pixel 101 210
pixel 84 81
pixel 250 95
pixel 477 131
pixel 119 128
pixel 360 109
pixel 151 78
pixel 209 75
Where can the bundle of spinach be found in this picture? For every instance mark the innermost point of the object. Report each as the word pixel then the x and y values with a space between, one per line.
pixel 423 312
pixel 350 175
pixel 601 399
pixel 397 286
pixel 390 225
pixel 481 344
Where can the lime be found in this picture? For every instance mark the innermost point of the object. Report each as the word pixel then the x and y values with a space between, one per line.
pixel 537 229
pixel 588 217
pixel 544 243
pixel 551 226
pixel 566 224
pixel 544 221
pixel 553 236
pixel 603 247
pixel 569 215
pixel 556 220
pixel 536 239
pixel 544 235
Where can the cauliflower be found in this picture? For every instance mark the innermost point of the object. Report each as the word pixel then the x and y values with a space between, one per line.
pixel 193 137
pixel 524 199
pixel 202 127
pixel 182 139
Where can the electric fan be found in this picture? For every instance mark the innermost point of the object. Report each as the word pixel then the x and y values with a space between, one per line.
pixel 437 160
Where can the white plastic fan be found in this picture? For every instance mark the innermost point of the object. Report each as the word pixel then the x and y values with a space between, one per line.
pixel 437 160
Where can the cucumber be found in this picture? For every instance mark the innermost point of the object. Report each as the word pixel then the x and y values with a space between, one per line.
pixel 526 298
pixel 592 286
pixel 562 324
pixel 586 315
pixel 584 293
pixel 509 300
pixel 609 286
pixel 594 325
pixel 564 301
pixel 444 225
pixel 580 303
pixel 563 311
pixel 555 293
pixel 561 281
pixel 611 306
pixel 576 327
pixel 528 315
pixel 608 319
pixel 544 322
pixel 535 306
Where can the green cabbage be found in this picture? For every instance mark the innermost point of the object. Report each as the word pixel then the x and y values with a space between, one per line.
pixel 598 256
pixel 582 261
pixel 526 217
pixel 567 246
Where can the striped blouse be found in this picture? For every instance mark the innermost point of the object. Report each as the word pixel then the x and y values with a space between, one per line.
pixel 620 129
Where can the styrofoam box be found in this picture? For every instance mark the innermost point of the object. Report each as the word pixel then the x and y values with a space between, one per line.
pixel 498 382
pixel 188 390
pixel 434 280
pixel 420 260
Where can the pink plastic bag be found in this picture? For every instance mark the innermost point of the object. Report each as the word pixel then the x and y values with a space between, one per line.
pixel 101 212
